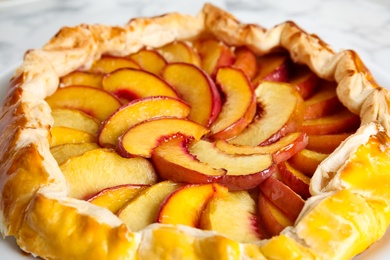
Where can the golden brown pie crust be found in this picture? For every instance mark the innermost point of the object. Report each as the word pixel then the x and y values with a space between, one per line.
pixel 33 192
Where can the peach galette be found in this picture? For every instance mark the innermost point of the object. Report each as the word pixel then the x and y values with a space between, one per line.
pixel 193 137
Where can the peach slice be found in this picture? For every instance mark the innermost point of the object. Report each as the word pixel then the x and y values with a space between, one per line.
pixel 82 78
pixel 305 81
pixel 197 89
pixel 108 64
pixel 115 198
pixel 295 179
pixel 149 60
pixel 341 121
pixel 131 84
pixel 271 217
pixel 185 205
pixel 243 172
pixel 273 120
pixel 100 106
pixel 272 67
pixel 234 216
pixel 239 106
pixel 323 102
pixel 326 143
pixel 214 55
pixel 142 138
pixel 288 146
pixel 143 209
pixel 246 61
pixel 173 161
pixel 101 168
pixel 65 135
pixel 281 150
pixel 75 119
pixel 65 151
pixel 283 197
pixel 307 161
pixel 179 51
pixel 137 111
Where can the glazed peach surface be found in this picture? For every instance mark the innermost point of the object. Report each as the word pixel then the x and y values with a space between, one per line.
pixel 199 147
pixel 249 137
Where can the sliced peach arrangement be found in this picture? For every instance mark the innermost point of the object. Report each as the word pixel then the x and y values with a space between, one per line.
pixel 197 133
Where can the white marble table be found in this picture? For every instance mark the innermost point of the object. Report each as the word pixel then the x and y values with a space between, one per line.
pixel 362 25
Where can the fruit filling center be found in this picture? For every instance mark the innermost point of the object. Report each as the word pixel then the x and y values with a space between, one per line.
pixel 198 133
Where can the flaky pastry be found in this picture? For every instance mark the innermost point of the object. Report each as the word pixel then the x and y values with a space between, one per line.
pixel 349 207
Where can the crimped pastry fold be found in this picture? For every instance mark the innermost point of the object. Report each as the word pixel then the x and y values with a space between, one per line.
pixel 35 212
